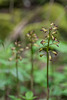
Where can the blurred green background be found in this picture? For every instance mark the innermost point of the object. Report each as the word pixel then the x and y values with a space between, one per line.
pixel 17 17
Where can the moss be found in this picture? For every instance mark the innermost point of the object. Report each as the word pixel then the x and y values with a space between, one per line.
pixel 56 14
pixel 5 28
pixel 5 23
pixel 52 11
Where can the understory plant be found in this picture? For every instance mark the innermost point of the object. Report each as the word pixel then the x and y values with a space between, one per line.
pixel 32 38
pixel 16 54
pixel 47 42
pixel 28 96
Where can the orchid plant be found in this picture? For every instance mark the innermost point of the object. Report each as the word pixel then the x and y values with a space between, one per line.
pixel 32 38
pixel 46 43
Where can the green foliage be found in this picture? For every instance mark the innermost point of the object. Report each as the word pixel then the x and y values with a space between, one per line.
pixel 1 42
pixel 5 3
pixel 55 12
pixel 60 84
pixel 14 98
pixel 28 96
pixel 6 26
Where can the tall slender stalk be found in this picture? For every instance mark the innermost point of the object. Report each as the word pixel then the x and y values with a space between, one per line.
pixel 17 68
pixel 48 71
pixel 32 67
pixel 16 53
pixel 49 36
pixel 32 37
pixel 17 76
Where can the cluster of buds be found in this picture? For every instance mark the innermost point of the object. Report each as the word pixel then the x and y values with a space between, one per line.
pixel 49 36
pixel 32 37
pixel 16 51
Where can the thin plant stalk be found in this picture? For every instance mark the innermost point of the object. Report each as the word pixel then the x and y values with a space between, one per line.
pixel 32 39
pixel 16 68
pixel 48 68
pixel 49 36
pixel 17 76
pixel 47 74
pixel 32 67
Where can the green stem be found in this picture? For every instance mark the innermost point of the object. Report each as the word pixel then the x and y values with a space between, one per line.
pixel 32 67
pixel 17 71
pixel 48 68
pixel 47 75
pixel 17 76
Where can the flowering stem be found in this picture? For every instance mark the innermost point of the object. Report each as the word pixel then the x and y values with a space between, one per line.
pixel 17 75
pixel 17 71
pixel 48 67
pixel 32 67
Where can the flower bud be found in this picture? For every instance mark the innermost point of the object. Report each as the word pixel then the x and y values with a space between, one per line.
pixel 21 49
pixel 20 58
pixel 55 28
pixel 19 45
pixel 10 59
pixel 40 49
pixel 13 48
pixel 28 35
pixel 52 24
pixel 15 43
pixel 41 55
pixel 27 48
pixel 57 45
pixel 42 42
pixel 44 30
pixel 54 32
pixel 36 45
pixel 54 52
pixel 50 58
pixel 13 53
pixel 18 51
